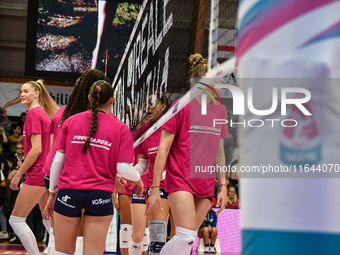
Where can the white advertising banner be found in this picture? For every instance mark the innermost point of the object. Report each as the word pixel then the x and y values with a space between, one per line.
pixel 112 234
pixel 10 96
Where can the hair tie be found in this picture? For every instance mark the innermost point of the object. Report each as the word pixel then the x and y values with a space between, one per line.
pixel 196 62
pixel 98 88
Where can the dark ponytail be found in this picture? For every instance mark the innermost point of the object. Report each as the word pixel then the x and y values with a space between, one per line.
pixel 100 93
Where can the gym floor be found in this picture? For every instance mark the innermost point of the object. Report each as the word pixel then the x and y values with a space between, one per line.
pixel 18 249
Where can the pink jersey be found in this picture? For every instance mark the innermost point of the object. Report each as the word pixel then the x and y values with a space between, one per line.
pixel 196 143
pixel 37 122
pixel 149 147
pixel 96 169
pixel 55 129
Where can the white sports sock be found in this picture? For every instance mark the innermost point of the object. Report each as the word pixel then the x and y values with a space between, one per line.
pixel 51 243
pixel 181 243
pixel 47 225
pixel 135 248
pixel 79 246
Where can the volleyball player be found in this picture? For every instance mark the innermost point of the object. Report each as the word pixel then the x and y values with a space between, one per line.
pixel 78 102
pixel 88 158
pixel 140 232
pixel 124 210
pixel 181 147
pixel 41 108
pixel 147 150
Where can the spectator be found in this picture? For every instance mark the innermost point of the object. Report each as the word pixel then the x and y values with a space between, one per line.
pixel 12 167
pixel 208 231
pixel 22 119
pixel 229 183
pixel 3 139
pixel 5 122
pixel 232 200
pixel 18 153
pixel 5 198
pixel 16 137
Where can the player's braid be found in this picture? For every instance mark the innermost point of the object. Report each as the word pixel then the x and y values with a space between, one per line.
pixel 95 97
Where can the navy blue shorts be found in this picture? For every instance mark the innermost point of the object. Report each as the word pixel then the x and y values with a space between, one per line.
pixel 137 200
pixel 162 193
pixel 70 202
pixel 47 181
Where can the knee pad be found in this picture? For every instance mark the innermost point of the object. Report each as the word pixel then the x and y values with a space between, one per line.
pixel 19 225
pixel 47 225
pixel 186 235
pixel 181 243
pixel 146 239
pixel 157 230
pixel 135 248
pixel 125 234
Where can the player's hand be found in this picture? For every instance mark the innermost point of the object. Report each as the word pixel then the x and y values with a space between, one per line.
pixel 140 188
pixel 154 197
pixel 119 186
pixel 15 182
pixel 120 178
pixel 49 206
pixel 222 199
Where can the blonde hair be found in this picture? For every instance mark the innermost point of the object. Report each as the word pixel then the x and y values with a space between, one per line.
pixel 235 198
pixel 44 99
pixel 199 65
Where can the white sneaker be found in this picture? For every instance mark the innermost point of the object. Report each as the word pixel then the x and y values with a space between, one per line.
pixel 206 249
pixel 212 249
pixel 13 239
pixel 4 235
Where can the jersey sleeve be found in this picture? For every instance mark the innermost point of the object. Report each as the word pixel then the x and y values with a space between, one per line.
pixel 139 149
pixel 52 125
pixel 33 123
pixel 172 124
